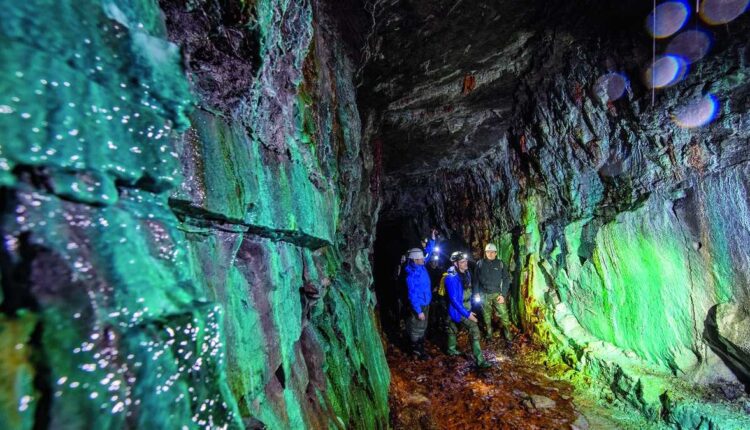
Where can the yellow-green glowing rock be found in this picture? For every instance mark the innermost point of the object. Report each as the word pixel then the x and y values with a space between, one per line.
pixel 18 398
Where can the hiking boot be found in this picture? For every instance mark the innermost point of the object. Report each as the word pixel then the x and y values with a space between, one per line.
pixel 420 352
pixel 484 365
pixel 452 352
pixel 415 350
pixel 451 346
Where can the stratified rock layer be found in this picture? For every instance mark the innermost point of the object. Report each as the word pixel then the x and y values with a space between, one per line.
pixel 173 266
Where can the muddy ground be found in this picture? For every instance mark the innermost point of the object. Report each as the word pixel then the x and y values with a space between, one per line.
pixel 515 393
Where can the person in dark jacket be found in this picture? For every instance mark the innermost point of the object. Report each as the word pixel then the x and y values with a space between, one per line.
pixel 420 295
pixel 436 327
pixel 459 295
pixel 430 246
pixel 493 285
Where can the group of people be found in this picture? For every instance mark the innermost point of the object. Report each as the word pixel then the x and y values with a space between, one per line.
pixel 459 298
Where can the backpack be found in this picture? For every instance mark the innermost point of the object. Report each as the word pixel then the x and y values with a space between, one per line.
pixel 441 289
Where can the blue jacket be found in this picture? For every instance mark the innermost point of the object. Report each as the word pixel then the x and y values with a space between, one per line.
pixel 455 291
pixel 418 284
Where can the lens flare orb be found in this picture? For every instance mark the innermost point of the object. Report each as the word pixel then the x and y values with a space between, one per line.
pixel 611 86
pixel 691 45
pixel 697 113
pixel 666 71
pixel 667 19
pixel 717 12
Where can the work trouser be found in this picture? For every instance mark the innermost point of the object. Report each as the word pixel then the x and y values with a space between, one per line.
pixel 452 328
pixel 491 307
pixel 415 327
pixel 437 316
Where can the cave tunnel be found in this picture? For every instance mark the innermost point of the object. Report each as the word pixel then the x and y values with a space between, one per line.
pixel 209 207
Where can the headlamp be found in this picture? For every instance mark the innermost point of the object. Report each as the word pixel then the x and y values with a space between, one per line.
pixel 437 249
pixel 436 258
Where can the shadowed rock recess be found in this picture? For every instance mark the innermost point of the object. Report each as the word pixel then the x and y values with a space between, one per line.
pixel 191 192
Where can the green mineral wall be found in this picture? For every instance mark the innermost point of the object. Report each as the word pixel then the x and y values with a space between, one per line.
pixel 184 249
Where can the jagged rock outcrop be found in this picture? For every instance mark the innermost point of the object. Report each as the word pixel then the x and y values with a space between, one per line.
pixel 186 212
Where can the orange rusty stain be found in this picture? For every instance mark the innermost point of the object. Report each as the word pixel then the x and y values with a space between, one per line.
pixel 469 83
pixel 522 143
pixel 611 108
pixel 696 157
pixel 578 94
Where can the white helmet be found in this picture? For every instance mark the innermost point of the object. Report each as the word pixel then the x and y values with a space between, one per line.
pixel 490 247
pixel 416 254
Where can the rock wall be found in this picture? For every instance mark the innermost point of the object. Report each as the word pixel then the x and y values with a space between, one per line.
pixel 627 233
pixel 186 212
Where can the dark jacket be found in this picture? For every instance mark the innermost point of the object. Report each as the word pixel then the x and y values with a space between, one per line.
pixel 492 277
pixel 418 284
pixel 429 249
pixel 458 294
pixel 435 275
pixel 433 253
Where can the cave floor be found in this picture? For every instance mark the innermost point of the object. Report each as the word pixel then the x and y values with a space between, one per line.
pixel 515 393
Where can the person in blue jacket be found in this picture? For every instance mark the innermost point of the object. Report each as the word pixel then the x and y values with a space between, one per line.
pixel 459 294
pixel 420 296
